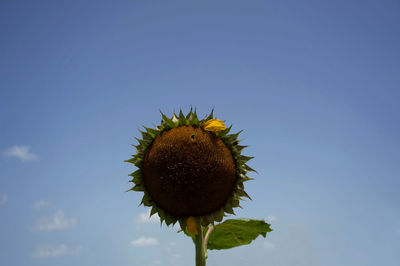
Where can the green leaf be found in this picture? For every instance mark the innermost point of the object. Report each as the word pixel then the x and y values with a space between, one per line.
pixel 236 232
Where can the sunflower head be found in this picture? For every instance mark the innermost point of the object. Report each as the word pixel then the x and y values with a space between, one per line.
pixel 190 168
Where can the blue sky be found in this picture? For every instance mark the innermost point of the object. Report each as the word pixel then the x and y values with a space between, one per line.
pixel 314 84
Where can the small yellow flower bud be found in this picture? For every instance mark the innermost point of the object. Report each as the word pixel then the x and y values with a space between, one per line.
pixel 214 125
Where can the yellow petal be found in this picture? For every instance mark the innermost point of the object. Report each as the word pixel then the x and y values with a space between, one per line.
pixel 214 125
pixel 191 226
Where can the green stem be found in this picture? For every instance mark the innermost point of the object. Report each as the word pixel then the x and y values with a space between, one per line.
pixel 199 243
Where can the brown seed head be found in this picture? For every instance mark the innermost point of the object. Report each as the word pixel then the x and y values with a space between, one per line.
pixel 189 171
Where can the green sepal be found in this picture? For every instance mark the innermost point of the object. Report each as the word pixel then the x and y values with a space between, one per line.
pixel 242 193
pixel 190 115
pixel 167 122
pixel 222 133
pixel 146 136
pixel 162 214
pixel 239 186
pixel 248 168
pixel 233 137
pixel 169 219
pixel 139 149
pixel 235 203
pixel 228 208
pixel 218 215
pixel 239 148
pixel 175 119
pixel 246 178
pixel 153 211
pixel 210 116
pixel 131 160
pixel 153 132
pixel 136 180
pixel 146 200
pixel 137 173
pixel 138 162
pixel 138 187
pixel 182 223
pixel 206 220
pixel 243 159
pixel 181 119
pixel 193 119
pixel 144 142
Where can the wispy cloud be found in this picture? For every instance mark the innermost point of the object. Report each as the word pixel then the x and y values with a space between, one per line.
pixel 50 251
pixel 3 199
pixel 58 221
pixel 20 152
pixel 40 204
pixel 271 219
pixel 173 259
pixel 171 246
pixel 173 255
pixel 144 218
pixel 144 241
pixel 268 245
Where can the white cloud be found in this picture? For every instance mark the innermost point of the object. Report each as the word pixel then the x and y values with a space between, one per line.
pixel 156 262
pixel 268 245
pixel 40 204
pixel 144 218
pixel 144 241
pixel 271 219
pixel 50 251
pixel 173 259
pixel 3 199
pixel 20 152
pixel 54 222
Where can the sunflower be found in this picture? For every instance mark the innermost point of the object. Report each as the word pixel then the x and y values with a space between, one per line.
pixel 190 168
